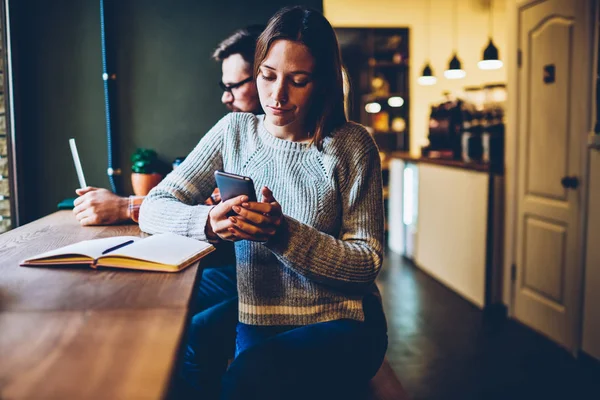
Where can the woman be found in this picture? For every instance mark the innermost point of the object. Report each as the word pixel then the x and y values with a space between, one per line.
pixel 309 321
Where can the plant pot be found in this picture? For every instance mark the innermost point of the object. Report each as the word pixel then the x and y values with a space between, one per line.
pixel 143 183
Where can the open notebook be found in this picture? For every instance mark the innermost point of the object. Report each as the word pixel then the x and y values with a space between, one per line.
pixel 165 252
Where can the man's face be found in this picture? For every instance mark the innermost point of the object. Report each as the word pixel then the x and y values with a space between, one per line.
pixel 243 98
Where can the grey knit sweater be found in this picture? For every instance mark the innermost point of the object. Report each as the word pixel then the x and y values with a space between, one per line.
pixel 329 250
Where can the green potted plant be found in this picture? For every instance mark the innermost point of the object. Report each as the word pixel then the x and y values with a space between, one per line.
pixel 145 167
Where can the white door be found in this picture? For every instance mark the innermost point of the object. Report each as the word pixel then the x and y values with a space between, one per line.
pixel 553 105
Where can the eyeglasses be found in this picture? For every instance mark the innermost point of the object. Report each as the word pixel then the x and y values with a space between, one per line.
pixel 229 88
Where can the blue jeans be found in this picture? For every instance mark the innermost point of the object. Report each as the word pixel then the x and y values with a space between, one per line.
pixel 209 346
pixel 212 328
pixel 218 283
pixel 327 360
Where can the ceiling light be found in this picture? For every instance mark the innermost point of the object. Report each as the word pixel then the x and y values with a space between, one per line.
pixel 372 108
pixel 490 60
pixel 454 70
pixel 395 101
pixel 427 78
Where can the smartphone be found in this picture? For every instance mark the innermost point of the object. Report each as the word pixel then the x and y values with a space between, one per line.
pixel 232 185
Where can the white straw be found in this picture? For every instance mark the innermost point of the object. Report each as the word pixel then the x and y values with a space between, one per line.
pixel 78 168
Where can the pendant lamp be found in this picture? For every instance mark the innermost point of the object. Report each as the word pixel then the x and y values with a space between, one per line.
pixel 455 70
pixel 490 59
pixel 427 77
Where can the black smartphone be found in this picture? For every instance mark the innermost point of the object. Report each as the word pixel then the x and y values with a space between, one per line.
pixel 232 185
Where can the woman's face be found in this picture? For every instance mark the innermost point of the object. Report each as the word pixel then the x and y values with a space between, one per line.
pixel 285 84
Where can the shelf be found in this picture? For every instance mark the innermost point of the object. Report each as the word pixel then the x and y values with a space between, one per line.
pixel 375 132
pixel 377 64
pixel 374 97
pixel 377 61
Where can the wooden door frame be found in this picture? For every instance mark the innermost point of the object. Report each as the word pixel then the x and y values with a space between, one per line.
pixel 511 159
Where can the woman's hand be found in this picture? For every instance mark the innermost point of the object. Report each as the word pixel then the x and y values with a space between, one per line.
pixel 256 221
pixel 219 224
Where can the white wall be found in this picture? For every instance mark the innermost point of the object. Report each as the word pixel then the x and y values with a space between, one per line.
pixel 452 226
pixel 472 39
pixel 591 315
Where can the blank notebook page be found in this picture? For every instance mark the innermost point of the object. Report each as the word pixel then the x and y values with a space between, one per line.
pixel 164 248
pixel 91 248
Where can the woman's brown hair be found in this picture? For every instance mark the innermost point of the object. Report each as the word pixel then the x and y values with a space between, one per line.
pixel 311 28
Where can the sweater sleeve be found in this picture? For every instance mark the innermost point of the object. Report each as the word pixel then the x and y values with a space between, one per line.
pixel 352 261
pixel 176 204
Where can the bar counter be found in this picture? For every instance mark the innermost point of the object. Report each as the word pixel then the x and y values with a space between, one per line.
pixel 446 215
pixel 80 333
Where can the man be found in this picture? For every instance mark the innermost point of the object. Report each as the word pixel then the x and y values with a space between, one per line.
pixel 98 206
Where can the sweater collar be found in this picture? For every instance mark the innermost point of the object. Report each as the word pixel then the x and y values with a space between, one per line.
pixel 277 143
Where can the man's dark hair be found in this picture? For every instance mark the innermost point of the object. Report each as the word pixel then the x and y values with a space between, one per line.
pixel 242 42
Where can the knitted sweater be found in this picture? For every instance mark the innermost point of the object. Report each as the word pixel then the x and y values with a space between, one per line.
pixel 329 249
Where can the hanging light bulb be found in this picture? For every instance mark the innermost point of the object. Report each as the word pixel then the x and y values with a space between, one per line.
pixel 490 59
pixel 427 78
pixel 454 70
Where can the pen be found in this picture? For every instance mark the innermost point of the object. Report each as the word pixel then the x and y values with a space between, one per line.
pixel 117 247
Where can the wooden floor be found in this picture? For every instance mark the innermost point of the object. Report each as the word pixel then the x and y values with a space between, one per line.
pixel 386 385
pixel 442 347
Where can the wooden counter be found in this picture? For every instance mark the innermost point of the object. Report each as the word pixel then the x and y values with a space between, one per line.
pixel 76 332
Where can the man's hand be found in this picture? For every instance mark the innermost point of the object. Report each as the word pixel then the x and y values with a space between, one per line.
pixel 214 199
pixel 96 206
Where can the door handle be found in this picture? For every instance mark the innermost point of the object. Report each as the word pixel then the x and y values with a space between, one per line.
pixel 570 182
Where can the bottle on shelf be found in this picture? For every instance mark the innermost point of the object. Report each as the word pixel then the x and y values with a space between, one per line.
pixel 497 141
pixel 466 135
pixel 475 143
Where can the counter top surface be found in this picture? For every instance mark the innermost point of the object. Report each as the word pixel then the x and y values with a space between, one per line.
pixel 473 166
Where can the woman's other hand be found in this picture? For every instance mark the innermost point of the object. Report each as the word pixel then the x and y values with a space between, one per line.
pixel 257 221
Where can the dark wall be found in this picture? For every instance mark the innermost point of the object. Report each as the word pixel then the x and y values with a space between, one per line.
pixel 167 93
